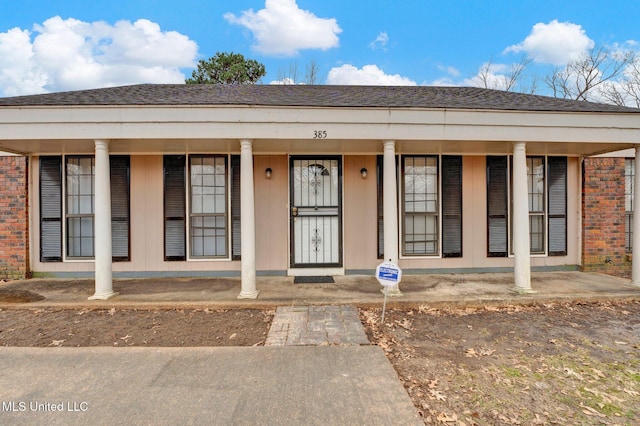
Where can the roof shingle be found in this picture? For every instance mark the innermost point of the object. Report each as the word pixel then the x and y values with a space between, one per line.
pixel 312 96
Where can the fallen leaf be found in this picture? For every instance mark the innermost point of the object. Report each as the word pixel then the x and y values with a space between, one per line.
pixel 56 343
pixel 570 372
pixel 445 418
pixel 487 352
pixel 437 395
pixel 405 323
pixel 233 336
pixel 591 411
pixel 470 353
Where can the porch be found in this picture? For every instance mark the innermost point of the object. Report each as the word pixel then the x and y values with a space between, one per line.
pixel 432 291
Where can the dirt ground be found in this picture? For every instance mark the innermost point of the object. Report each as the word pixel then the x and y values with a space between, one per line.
pixel 569 364
pixel 131 327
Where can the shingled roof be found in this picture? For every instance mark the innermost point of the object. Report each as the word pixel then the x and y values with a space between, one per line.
pixel 312 96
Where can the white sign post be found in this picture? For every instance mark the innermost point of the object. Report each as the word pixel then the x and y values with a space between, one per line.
pixel 388 275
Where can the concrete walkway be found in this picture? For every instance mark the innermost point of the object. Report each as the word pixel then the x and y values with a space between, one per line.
pixel 301 385
pixel 316 325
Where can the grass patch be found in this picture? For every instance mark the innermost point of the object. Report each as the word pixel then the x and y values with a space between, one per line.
pixel 512 372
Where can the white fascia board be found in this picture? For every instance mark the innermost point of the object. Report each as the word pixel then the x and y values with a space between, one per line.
pixel 207 122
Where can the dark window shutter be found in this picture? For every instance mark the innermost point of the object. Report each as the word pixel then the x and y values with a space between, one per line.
pixel 51 209
pixel 236 248
pixel 557 206
pixel 379 182
pixel 175 207
pixel 452 206
pixel 120 200
pixel 497 225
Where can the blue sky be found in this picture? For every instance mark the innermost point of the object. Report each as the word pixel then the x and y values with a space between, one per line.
pixel 55 45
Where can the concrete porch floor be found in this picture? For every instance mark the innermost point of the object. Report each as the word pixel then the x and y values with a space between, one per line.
pixel 360 290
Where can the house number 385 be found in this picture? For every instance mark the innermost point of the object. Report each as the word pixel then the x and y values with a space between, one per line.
pixel 319 134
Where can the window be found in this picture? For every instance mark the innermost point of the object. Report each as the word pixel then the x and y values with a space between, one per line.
pixel 547 199
pixel 420 205
pixel 536 191
pixel 629 176
pixel 78 176
pixel 80 206
pixel 208 206
pixel 207 189
pixel 431 220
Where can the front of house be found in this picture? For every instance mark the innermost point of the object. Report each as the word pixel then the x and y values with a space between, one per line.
pixel 190 180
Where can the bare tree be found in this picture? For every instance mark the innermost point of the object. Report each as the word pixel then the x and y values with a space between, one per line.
pixel 291 75
pixel 627 90
pixel 585 77
pixel 312 73
pixel 509 81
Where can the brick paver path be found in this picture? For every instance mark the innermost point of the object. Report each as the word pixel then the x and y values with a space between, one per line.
pixel 316 325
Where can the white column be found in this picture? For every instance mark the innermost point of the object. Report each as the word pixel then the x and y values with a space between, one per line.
pixel 102 224
pixel 247 223
pixel 390 208
pixel 635 262
pixel 521 245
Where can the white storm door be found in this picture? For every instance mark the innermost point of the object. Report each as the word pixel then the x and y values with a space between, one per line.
pixel 315 213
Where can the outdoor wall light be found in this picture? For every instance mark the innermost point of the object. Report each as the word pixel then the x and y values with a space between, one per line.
pixel 363 172
pixel 267 173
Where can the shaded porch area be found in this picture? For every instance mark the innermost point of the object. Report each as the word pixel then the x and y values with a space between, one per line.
pixel 432 290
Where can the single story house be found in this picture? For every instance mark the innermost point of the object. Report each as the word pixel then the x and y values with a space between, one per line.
pixel 243 180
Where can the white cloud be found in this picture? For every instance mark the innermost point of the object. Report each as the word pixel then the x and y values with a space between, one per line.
pixel 451 71
pixel 283 29
pixel 71 54
pixel 369 75
pixel 554 43
pixel 442 81
pixel 18 73
pixel 380 42
pixel 286 81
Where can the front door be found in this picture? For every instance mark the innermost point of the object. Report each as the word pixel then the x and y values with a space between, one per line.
pixel 316 212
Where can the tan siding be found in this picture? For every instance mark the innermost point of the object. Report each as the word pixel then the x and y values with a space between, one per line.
pixel 360 213
pixel 272 212
pixel 147 228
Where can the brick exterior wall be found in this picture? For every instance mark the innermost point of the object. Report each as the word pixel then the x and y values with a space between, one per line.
pixel 14 224
pixel 603 216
